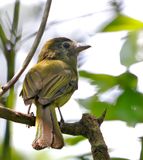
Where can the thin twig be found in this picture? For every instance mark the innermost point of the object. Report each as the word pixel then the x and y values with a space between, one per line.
pixel 102 117
pixel 57 22
pixel 32 51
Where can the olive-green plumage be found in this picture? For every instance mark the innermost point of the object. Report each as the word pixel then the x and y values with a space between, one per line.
pixel 49 84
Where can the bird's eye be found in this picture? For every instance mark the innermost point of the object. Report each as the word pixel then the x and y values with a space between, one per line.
pixel 66 45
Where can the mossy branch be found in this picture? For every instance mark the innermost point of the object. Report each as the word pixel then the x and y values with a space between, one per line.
pixel 88 126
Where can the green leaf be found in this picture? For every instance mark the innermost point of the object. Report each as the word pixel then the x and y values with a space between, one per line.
pixel 15 22
pixel 16 15
pixel 2 35
pixel 3 39
pixel 129 50
pixel 95 106
pixel 122 22
pixel 74 140
pixel 103 81
pixel 127 80
pixel 129 107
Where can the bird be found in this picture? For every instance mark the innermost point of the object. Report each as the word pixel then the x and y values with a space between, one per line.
pixel 49 84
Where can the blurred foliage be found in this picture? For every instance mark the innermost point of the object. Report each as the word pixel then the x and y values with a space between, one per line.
pixel 141 153
pixel 122 22
pixel 127 106
pixel 15 154
pixel 74 140
pixel 129 50
pixel 9 37
pixel 126 101
pixel 39 156
pixel 86 156
pixel 10 40
pixel 105 82
pixel 119 159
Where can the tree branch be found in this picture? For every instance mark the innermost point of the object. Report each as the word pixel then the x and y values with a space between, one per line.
pixel 32 51
pixel 88 126
pixel 17 117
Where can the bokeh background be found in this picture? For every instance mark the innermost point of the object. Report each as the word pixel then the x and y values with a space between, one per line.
pixel 111 74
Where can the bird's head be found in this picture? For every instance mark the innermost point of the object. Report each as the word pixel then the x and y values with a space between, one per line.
pixel 61 49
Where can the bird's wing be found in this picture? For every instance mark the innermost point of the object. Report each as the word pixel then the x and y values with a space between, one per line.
pixel 58 86
pixel 47 81
pixel 31 86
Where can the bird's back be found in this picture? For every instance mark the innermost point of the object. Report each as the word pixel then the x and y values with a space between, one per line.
pixel 48 81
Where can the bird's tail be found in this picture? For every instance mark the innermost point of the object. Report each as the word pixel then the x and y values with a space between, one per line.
pixel 48 133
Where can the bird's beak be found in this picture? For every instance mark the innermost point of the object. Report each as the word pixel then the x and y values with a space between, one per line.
pixel 80 48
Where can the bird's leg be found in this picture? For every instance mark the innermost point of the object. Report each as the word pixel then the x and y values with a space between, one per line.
pixel 28 112
pixel 31 114
pixel 62 119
